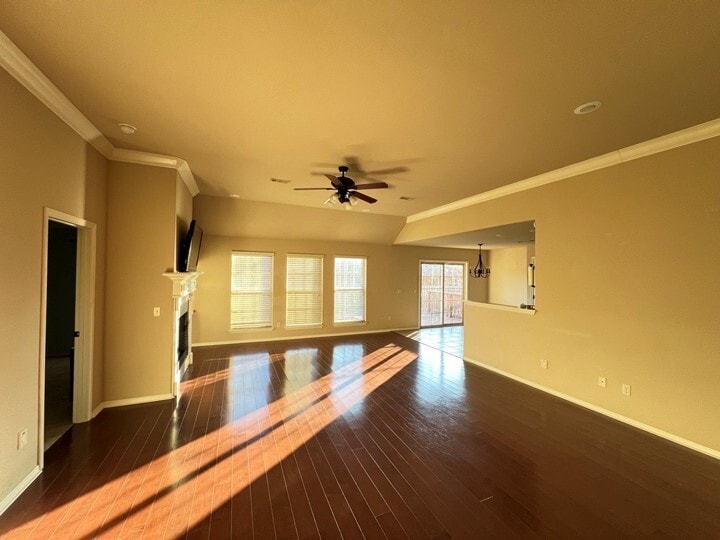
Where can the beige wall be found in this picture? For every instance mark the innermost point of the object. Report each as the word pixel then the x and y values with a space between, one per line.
pixel 142 224
pixel 392 285
pixel 183 214
pixel 96 167
pixel 253 219
pixel 43 163
pixel 627 273
pixel 507 283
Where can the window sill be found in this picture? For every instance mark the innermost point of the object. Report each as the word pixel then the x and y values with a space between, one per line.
pixel 246 330
pixel 350 323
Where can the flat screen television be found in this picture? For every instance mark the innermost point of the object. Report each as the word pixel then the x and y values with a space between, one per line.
pixel 190 249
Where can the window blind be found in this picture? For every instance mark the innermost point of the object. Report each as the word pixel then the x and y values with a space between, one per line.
pixel 349 289
pixel 251 290
pixel 303 302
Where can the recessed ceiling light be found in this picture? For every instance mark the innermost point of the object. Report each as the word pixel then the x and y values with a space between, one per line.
pixel 127 128
pixel 587 108
pixel 234 196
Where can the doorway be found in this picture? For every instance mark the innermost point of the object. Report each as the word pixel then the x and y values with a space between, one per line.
pixel 60 330
pixel 442 292
pixel 67 324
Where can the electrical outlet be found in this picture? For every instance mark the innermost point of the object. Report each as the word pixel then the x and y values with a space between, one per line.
pixel 156 312
pixel 602 382
pixel 544 363
pixel 626 389
pixel 22 438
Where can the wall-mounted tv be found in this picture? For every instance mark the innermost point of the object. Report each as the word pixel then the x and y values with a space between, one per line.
pixel 190 249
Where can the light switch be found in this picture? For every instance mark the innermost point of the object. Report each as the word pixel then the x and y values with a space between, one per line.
pixel 156 312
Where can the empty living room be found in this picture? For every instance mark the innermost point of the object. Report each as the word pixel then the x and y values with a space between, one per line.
pixel 360 269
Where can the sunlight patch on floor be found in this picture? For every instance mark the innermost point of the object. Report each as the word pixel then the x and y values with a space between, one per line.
pixel 188 484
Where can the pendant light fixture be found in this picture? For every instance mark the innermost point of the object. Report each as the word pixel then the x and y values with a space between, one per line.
pixel 480 270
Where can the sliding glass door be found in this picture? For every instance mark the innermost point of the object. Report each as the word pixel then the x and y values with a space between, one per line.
pixel 442 291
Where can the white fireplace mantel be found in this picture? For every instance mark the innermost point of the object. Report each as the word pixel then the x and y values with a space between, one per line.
pixel 184 283
pixel 184 286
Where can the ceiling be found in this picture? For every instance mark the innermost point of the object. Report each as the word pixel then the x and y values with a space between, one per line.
pixel 464 96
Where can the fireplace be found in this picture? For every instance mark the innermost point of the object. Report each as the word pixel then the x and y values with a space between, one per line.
pixel 184 286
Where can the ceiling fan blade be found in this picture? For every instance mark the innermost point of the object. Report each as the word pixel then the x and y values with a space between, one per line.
pixel 394 170
pixel 334 180
pixel 313 188
pixel 363 197
pixel 353 163
pixel 370 179
pixel 376 185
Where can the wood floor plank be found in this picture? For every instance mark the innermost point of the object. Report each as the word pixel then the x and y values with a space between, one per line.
pixel 370 436
pixel 117 470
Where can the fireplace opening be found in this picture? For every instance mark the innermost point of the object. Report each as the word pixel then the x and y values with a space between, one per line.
pixel 183 324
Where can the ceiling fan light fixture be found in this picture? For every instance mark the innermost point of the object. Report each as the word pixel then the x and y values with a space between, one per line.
pixel 346 190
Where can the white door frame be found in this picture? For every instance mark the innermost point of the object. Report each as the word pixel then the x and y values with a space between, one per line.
pixel 84 320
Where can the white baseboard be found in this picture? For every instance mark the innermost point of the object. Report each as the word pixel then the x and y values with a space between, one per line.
pixel 615 416
pixel 291 338
pixel 97 410
pixel 17 490
pixel 130 401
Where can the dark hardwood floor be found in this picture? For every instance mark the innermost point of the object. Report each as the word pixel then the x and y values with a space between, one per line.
pixel 370 436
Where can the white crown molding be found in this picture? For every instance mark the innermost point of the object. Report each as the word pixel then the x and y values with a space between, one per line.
pixel 664 143
pixel 187 176
pixel 14 61
pixel 158 160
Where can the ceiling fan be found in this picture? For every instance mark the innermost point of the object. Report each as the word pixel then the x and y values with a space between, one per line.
pixel 346 190
pixel 356 169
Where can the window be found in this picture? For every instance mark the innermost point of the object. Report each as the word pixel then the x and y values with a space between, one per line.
pixel 303 301
pixel 251 290
pixel 349 289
